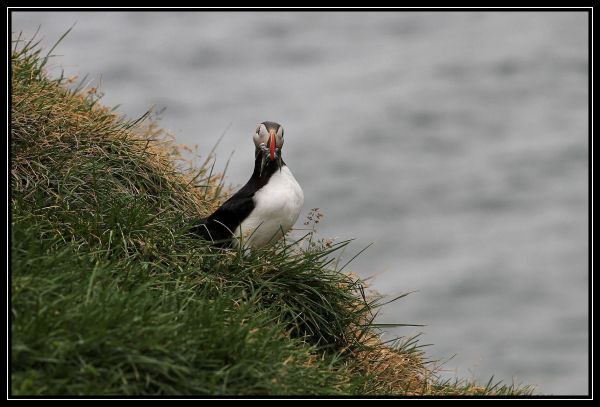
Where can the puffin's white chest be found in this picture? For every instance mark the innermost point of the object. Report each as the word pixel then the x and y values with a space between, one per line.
pixel 277 207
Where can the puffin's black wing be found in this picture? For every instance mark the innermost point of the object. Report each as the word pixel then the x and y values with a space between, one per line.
pixel 219 226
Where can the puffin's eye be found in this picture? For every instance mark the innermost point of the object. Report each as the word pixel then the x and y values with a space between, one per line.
pixel 258 130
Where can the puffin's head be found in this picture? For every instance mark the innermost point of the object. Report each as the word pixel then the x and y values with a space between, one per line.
pixel 268 140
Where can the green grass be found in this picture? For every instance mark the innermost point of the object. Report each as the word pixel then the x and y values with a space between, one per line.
pixel 110 294
pixel 88 324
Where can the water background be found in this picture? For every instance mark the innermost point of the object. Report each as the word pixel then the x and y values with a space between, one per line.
pixel 456 142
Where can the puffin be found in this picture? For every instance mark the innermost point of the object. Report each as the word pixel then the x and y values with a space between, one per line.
pixel 266 207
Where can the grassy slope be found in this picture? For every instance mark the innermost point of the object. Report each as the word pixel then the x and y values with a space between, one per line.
pixel 111 296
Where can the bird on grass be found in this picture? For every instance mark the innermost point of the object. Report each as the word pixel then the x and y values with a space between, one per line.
pixel 264 209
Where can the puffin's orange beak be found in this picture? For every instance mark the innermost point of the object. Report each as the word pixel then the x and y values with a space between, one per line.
pixel 272 143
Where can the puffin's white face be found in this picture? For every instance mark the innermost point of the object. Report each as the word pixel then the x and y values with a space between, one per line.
pixel 269 138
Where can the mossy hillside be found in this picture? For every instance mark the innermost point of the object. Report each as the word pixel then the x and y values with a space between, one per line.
pixel 112 295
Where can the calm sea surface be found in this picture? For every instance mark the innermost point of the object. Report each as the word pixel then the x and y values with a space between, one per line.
pixel 456 142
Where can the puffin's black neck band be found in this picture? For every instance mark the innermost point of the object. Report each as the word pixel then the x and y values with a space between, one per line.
pixel 268 169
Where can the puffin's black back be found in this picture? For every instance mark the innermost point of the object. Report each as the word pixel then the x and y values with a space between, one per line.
pixel 220 226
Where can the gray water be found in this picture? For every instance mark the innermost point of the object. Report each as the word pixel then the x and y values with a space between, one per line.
pixel 456 142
